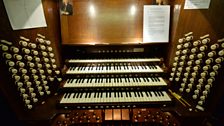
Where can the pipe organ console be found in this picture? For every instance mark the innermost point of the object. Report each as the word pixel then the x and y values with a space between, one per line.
pixel 93 68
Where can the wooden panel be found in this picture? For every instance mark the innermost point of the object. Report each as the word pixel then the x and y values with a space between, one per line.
pixel 104 22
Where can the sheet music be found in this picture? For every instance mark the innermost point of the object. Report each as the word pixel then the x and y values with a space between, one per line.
pixel 25 14
pixel 156 23
pixel 197 4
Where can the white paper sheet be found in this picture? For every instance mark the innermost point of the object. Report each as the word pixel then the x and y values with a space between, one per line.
pixel 156 23
pixel 197 4
pixel 25 14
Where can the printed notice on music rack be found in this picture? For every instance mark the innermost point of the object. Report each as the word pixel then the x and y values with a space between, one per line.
pixel 25 14
pixel 156 23
pixel 197 4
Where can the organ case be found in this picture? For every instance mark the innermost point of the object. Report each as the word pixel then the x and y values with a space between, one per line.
pixel 102 48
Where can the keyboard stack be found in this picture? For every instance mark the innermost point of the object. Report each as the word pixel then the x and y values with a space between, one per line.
pixel 113 83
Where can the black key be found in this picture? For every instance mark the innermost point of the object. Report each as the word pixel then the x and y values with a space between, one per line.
pixel 72 80
pixel 83 80
pixel 84 67
pixel 158 93
pixel 139 79
pixel 135 94
pixel 147 79
pixel 90 94
pixel 86 95
pixel 129 94
pixel 146 93
pixel 95 94
pixel 69 95
pixel 155 93
pixel 162 93
pixel 125 79
pixel 145 66
pixel 77 95
pixel 138 94
pixel 90 80
pixel 142 66
pixel 87 80
pixel 150 93
pixel 132 67
pixel 74 95
pixel 154 66
pixel 133 79
pixel 68 80
pixel 70 68
pixel 102 67
pixel 109 67
pixel 141 94
pixel 101 94
pixel 79 67
pixel 77 80
pixel 98 94
pixel 80 95
pixel 149 66
pixel 152 78
pixel 90 67
pixel 65 95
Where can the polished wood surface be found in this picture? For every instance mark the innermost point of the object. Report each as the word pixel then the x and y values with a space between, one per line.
pixel 104 22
